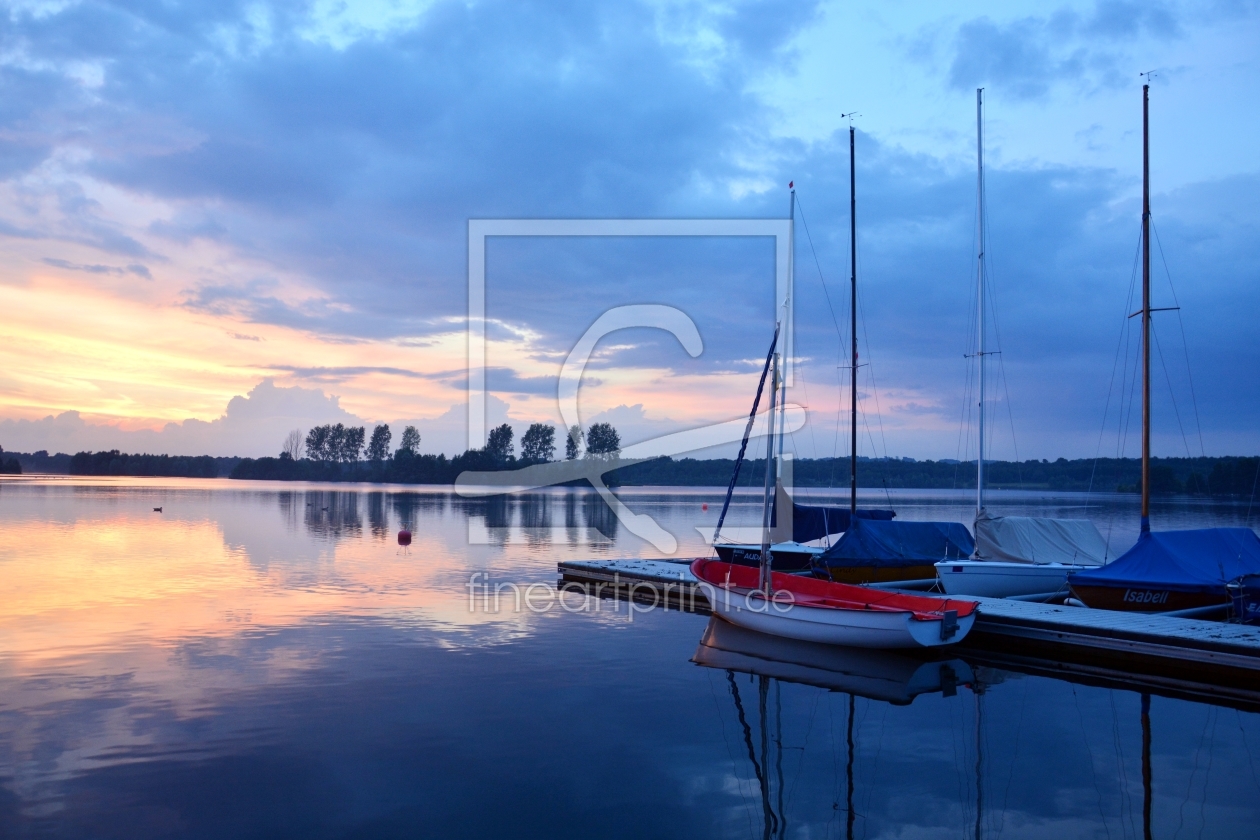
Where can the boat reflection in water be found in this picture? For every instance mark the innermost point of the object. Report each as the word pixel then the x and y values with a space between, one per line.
pixel 875 674
pixel 879 675
pixel 897 678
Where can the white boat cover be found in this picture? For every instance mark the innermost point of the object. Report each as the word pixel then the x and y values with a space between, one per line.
pixel 1035 539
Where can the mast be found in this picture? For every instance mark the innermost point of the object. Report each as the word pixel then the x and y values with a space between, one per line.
pixel 980 291
pixel 1146 311
pixel 852 331
pixel 786 304
pixel 763 580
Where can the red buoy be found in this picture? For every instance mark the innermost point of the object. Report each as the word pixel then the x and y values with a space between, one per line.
pixel 404 537
pixel 704 506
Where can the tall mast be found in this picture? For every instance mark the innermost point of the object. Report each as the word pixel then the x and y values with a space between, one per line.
pixel 763 582
pixel 1146 311
pixel 786 307
pixel 853 330
pixel 980 291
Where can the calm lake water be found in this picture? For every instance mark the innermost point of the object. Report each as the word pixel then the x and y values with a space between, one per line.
pixel 263 660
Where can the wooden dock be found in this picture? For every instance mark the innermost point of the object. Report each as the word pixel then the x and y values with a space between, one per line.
pixel 1142 641
pixel 663 583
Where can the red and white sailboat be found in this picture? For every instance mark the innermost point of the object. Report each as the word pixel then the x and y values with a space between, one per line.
pixel 812 609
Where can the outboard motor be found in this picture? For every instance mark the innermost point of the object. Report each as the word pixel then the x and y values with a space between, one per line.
pixel 1244 591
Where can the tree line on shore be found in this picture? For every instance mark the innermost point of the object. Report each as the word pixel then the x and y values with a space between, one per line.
pixel 9 465
pixel 336 452
pixel 373 461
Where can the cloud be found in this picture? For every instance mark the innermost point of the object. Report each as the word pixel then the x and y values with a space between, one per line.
pixel 1026 56
pixel 316 155
pixel 338 374
pixel 135 268
pixel 251 425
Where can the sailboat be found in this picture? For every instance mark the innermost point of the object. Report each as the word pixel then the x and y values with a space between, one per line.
pixel 1167 570
pixel 813 610
pixel 793 526
pixel 878 549
pixel 1014 555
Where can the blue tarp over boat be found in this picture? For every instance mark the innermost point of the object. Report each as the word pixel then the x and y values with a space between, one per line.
pixel 884 543
pixel 1202 560
pixel 813 522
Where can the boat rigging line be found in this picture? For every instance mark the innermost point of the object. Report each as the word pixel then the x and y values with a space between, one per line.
pixel 839 332
pixel 1184 344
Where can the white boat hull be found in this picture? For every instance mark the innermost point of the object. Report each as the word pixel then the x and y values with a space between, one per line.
pixel 829 625
pixel 999 579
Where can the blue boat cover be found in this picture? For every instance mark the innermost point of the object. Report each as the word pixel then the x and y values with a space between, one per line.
pixel 884 543
pixel 813 522
pixel 1202 560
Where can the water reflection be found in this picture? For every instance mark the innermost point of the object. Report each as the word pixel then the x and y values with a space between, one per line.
pixel 599 516
pixel 376 515
pixel 770 680
pixel 535 518
pixel 889 676
pixel 571 517
pixel 884 676
pixel 258 660
pixel 333 514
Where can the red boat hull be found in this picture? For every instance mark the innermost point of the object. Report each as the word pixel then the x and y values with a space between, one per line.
pixel 829 593
pixel 823 611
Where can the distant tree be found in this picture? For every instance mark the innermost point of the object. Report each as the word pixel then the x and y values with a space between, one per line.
pixel 1196 485
pixel 1163 480
pixel 336 442
pixel 1234 476
pixel 352 438
pixel 10 466
pixel 378 448
pixel 573 443
pixel 410 442
pixel 317 443
pixel 602 441
pixel 293 445
pixel 538 444
pixel 499 445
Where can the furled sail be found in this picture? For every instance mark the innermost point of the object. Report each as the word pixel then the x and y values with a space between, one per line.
pixel 1037 539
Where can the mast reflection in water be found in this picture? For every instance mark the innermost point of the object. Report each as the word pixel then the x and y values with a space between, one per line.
pixel 881 676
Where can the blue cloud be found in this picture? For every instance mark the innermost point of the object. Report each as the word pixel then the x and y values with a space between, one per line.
pixel 1026 56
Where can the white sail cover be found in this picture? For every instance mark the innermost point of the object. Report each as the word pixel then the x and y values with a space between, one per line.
pixel 1029 539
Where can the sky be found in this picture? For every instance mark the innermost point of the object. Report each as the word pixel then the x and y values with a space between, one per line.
pixel 223 221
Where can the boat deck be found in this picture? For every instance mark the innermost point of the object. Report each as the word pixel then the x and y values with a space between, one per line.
pixel 1141 640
